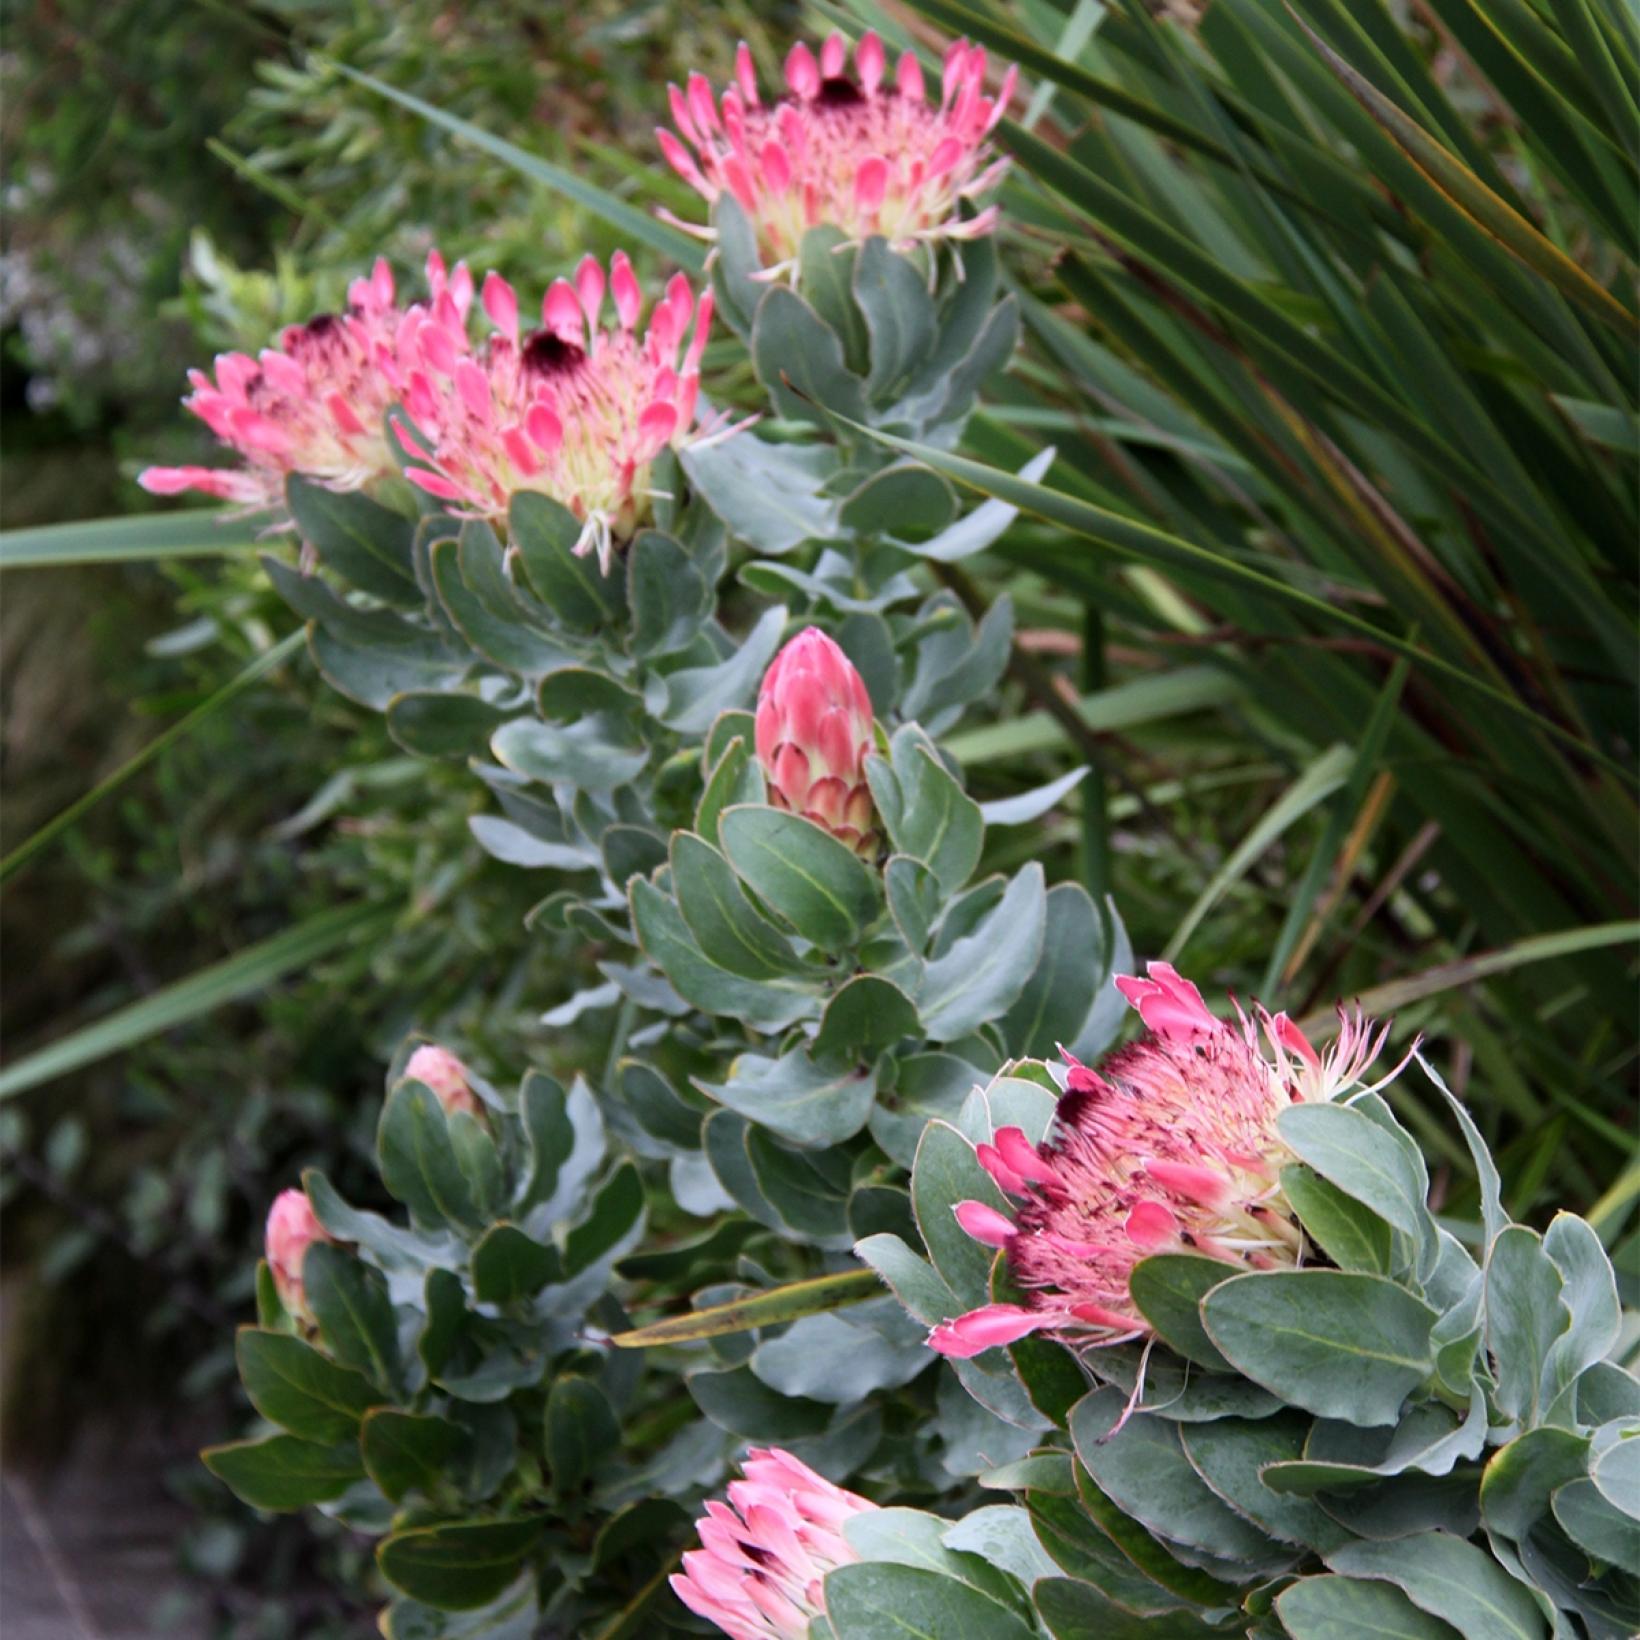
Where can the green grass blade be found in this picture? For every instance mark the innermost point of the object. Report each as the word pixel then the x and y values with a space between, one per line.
pixel 1600 61
pixel 1369 750
pixel 59 823
pixel 192 534
pixel 1515 62
pixel 1472 196
pixel 765 1309
pixel 1019 48
pixel 1608 425
pixel 1315 785
pixel 274 187
pixel 1609 1214
pixel 628 219
pixel 1448 976
pixel 1174 693
pixel 1140 541
pixel 1078 29
pixel 211 988
pixel 1115 99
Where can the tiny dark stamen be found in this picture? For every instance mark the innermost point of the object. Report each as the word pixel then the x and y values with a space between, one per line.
pixel 548 354
pixel 839 92
pixel 322 325
pixel 1186 1237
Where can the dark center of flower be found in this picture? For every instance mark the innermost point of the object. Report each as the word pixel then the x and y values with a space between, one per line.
pixel 547 354
pixel 322 325
pixel 839 92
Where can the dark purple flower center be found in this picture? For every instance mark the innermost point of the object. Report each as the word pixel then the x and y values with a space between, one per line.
pixel 839 92
pixel 546 353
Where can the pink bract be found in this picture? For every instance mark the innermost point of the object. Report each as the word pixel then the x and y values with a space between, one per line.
pixel 574 409
pixel 764 1553
pixel 438 1070
pixel 866 153
pixel 1170 1146
pixel 293 1227
pixel 814 732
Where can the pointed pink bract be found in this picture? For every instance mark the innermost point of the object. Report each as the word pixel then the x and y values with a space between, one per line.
pixel 293 1227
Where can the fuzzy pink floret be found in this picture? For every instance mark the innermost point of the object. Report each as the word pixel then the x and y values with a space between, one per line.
pixel 315 405
pixel 573 409
pixel 862 153
pixel 1171 1145
pixel 759 1572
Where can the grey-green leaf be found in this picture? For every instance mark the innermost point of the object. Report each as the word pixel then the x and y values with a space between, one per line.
pixel 1337 1343
pixel 819 885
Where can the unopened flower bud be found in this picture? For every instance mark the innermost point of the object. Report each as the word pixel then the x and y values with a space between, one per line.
pixel 439 1071
pixel 293 1227
pixel 813 736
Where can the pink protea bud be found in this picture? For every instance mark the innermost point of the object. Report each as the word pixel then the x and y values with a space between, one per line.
pixel 439 1071
pixel 864 153
pixel 813 734
pixel 293 1227
pixel 760 1570
pixel 1170 1146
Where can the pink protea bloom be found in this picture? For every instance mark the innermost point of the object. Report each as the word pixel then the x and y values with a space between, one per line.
pixel 864 152
pixel 314 405
pixel 575 409
pixel 439 1071
pixel 1170 1146
pixel 814 731
pixel 759 1572
pixel 293 1227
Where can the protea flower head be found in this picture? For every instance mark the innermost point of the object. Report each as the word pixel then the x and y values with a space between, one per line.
pixel 864 152
pixel 1170 1146
pixel 764 1554
pixel 574 409
pixel 313 405
pixel 439 1071
pixel 813 734
pixel 293 1227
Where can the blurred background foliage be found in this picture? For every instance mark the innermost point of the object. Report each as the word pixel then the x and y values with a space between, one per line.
pixel 183 179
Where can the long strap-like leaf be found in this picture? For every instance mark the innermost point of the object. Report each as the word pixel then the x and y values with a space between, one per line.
pixel 1141 541
pixel 193 534
pixel 1472 196
pixel 59 823
pixel 765 1309
pixel 1448 976
pixel 202 993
